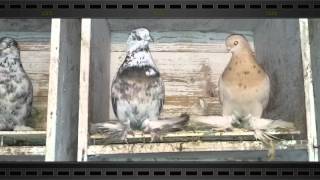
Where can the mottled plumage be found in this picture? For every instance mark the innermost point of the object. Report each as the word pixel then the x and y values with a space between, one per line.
pixel 137 93
pixel 16 90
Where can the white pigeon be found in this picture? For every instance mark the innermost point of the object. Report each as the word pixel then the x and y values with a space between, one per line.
pixel 16 90
pixel 138 93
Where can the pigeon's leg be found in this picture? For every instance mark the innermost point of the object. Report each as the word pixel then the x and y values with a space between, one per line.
pixel 126 129
pixel 155 135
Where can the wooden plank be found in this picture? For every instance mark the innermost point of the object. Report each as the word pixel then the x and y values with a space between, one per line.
pixel 190 147
pixel 314 29
pixel 22 150
pixel 179 36
pixel 194 136
pixel 211 156
pixel 94 78
pixel 63 98
pixel 218 47
pixel 206 25
pixel 8 138
pixel 84 88
pixel 31 25
pixel 309 91
pixel 21 158
pixel 24 36
pixel 284 65
pixel 34 46
pixel 100 71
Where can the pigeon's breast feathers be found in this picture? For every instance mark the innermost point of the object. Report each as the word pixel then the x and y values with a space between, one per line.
pixel 138 54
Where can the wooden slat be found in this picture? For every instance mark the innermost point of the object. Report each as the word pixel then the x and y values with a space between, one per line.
pixel 309 90
pixel 34 46
pixel 314 29
pixel 27 36
pixel 300 155
pixel 195 136
pixel 23 137
pixel 22 150
pixel 189 147
pixel 84 87
pixel 63 98
pixel 94 78
pixel 284 65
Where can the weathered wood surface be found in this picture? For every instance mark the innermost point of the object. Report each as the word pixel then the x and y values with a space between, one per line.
pixel 63 94
pixel 32 138
pixel 206 25
pixel 278 49
pixel 22 150
pixel 94 79
pixel 190 147
pixel 314 78
pixel 281 155
pixel 196 136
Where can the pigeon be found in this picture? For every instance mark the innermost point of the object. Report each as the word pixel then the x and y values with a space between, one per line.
pixel 244 88
pixel 16 91
pixel 138 93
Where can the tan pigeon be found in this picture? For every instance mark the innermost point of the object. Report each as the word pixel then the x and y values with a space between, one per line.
pixel 244 88
pixel 244 85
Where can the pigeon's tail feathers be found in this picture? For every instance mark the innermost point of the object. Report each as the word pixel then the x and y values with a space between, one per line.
pixel 171 124
pixel 280 124
pixel 108 129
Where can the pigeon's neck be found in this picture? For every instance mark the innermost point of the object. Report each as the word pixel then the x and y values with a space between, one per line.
pixel 11 63
pixel 139 57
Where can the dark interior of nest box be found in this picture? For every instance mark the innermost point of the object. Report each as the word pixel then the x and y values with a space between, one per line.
pixel 191 55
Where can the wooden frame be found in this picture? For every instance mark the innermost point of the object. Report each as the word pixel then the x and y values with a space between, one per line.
pixel 80 79
pixel 94 78
pixel 300 109
pixel 62 120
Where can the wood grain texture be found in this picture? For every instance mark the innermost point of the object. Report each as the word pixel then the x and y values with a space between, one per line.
pixel 189 147
pixel 63 98
pixel 212 156
pixel 314 29
pixel 280 55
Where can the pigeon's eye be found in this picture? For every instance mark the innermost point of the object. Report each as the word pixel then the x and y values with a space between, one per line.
pixel 235 43
pixel 138 38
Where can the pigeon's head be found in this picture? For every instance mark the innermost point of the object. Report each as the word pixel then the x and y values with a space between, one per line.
pixel 236 42
pixel 8 46
pixel 139 38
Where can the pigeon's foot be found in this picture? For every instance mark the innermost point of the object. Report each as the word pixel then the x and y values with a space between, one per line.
pixel 155 137
pixel 124 137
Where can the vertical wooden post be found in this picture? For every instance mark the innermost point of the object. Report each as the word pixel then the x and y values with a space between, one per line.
pixel 94 79
pixel 309 90
pixel 62 117
pixel 314 35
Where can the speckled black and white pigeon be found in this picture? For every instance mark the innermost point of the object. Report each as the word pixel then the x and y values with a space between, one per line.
pixel 138 93
pixel 15 88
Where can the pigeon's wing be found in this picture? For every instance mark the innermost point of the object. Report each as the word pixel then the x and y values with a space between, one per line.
pixel 114 95
pixel 220 84
pixel 266 92
pixel 114 105
pixel 162 95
